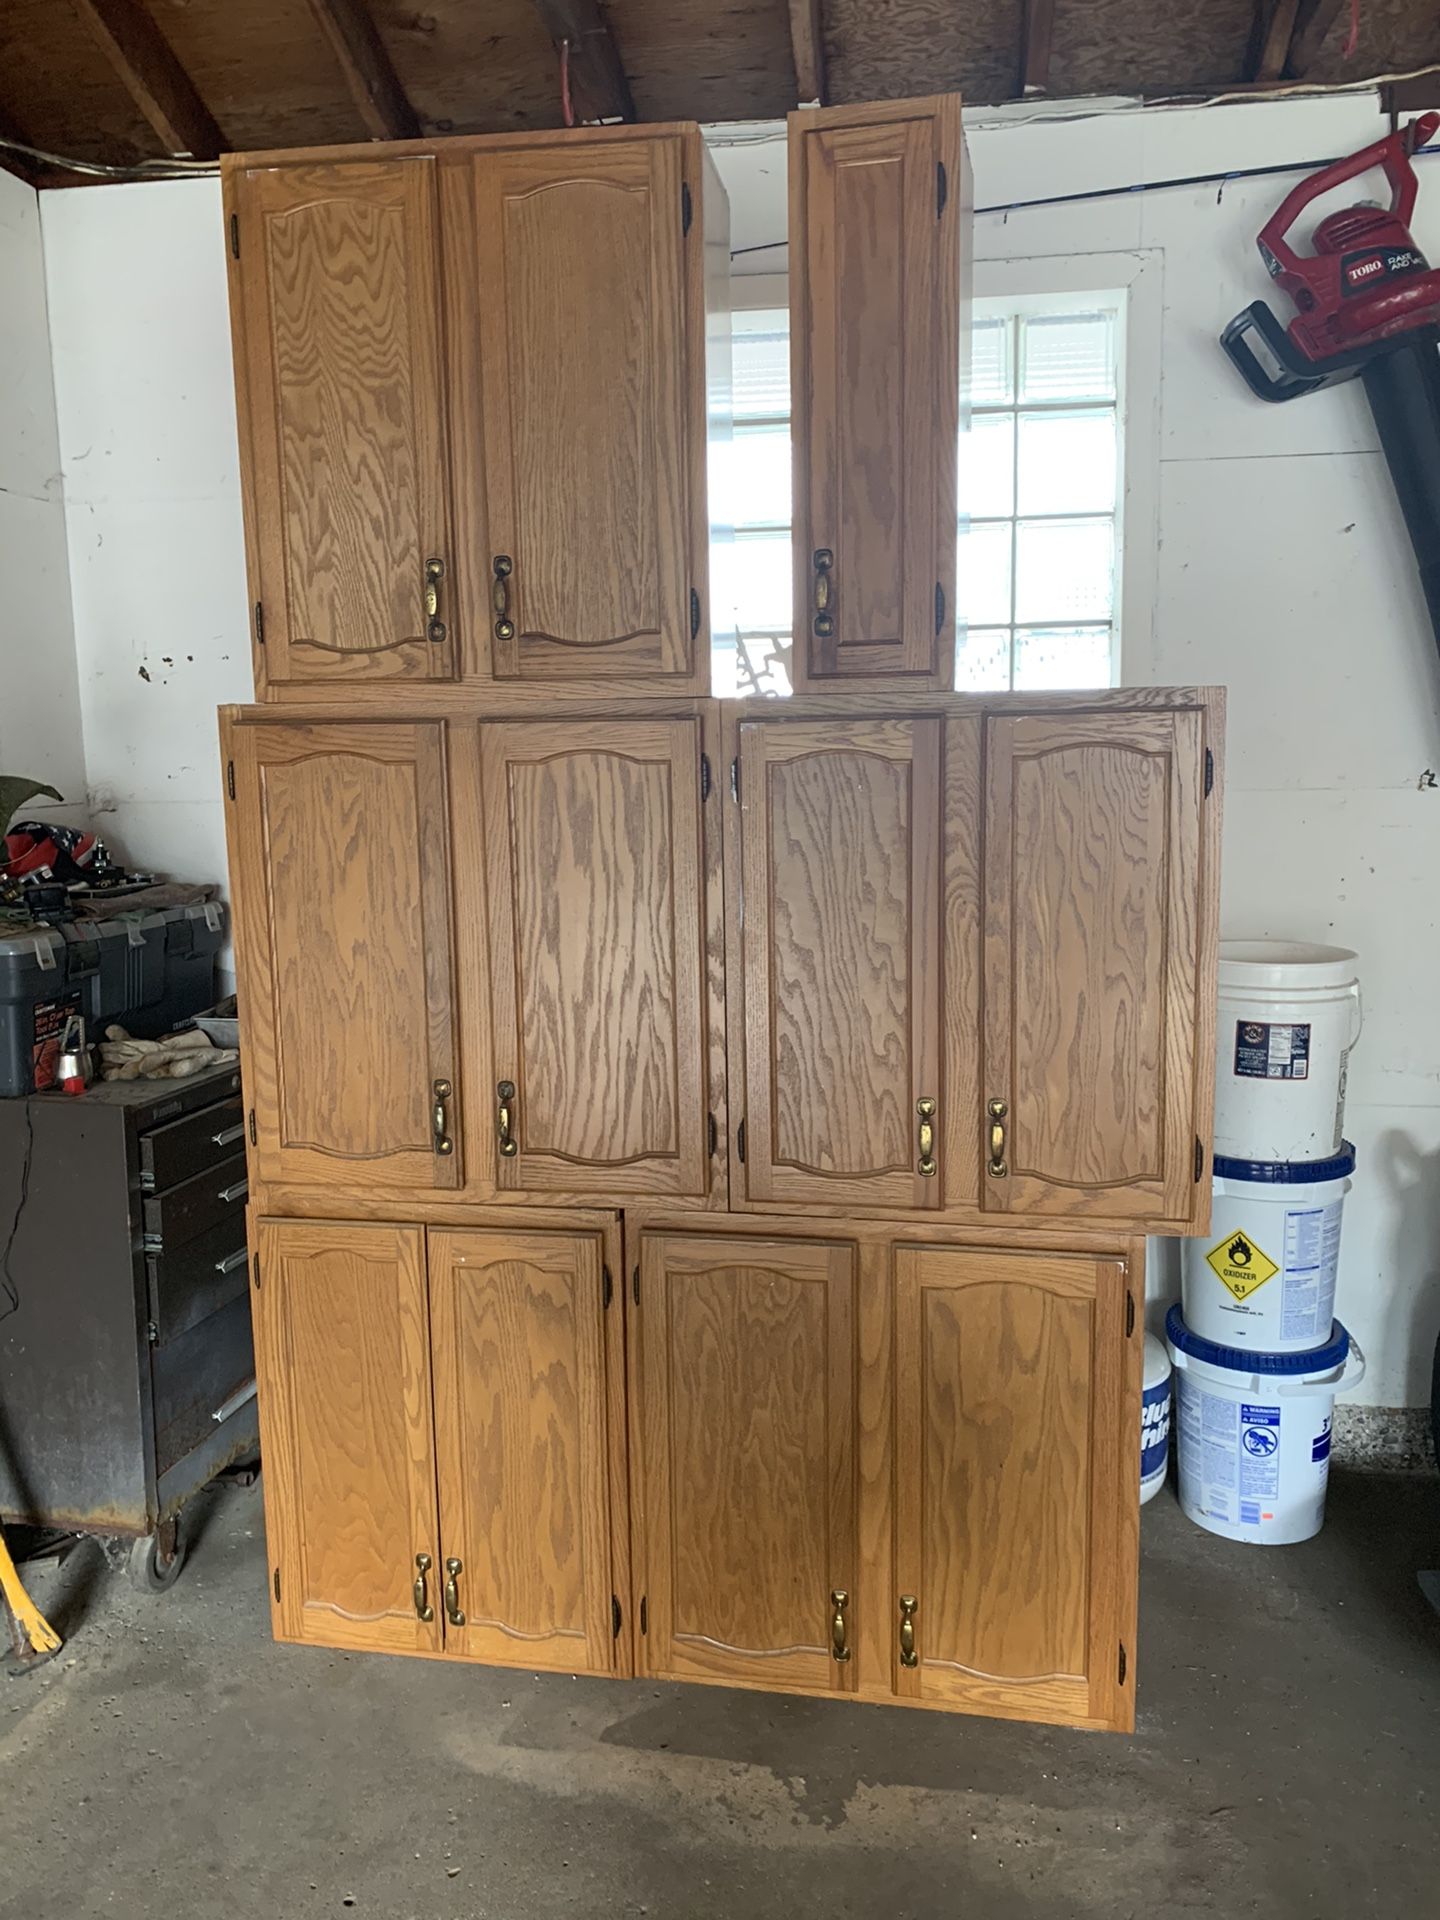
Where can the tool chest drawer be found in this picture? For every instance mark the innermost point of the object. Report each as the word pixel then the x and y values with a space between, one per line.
pixel 196 1205
pixel 190 1145
pixel 196 1378
pixel 193 1280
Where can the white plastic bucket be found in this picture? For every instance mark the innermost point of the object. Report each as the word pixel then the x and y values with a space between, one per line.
pixel 1289 1015
pixel 1154 1419
pixel 1253 1433
pixel 1263 1278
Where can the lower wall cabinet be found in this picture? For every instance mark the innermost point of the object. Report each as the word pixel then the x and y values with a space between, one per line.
pixel 896 1464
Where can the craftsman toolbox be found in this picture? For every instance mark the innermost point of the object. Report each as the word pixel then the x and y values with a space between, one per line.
pixel 147 971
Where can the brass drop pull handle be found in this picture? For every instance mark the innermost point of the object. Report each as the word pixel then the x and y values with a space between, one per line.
pixel 997 1111
pixel 453 1570
pixel 502 566
pixel 925 1112
pixel 434 574
pixel 505 1118
pixel 423 1608
pixel 908 1655
pixel 824 597
pixel 440 1118
pixel 839 1630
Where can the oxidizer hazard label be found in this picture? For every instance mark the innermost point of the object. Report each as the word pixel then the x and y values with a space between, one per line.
pixel 1266 1050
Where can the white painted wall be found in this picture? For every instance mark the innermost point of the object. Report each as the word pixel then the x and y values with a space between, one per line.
pixel 39 701
pixel 1279 566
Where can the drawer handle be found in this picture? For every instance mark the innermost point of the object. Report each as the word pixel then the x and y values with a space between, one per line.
pixel 229 1136
pixel 502 567
pixel 839 1630
pixel 997 1111
pixel 908 1656
pixel 232 1260
pixel 453 1614
pixel 423 1609
pixel 440 1118
pixel 505 1118
pixel 237 1192
pixel 925 1113
pixel 241 1397
pixel 435 627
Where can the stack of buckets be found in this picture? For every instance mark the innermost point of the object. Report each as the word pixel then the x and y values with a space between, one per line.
pixel 1258 1354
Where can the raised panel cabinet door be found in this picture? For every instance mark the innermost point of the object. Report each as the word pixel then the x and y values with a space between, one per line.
pixel 522 1433
pixel 342 1356
pixel 1091 971
pixel 338 368
pixel 876 213
pixel 340 870
pixel 840 944
pixel 1016 1485
pixel 747 1420
pixel 585 399
pixel 597 929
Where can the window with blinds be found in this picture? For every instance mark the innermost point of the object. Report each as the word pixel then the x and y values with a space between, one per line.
pixel 751 577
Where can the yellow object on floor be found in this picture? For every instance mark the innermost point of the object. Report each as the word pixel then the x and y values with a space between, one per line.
pixel 33 1629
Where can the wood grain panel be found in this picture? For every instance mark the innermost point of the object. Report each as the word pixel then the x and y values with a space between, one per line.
pixel 342 1357
pixel 597 905
pixel 1091 963
pixel 875 365
pixel 841 891
pixel 746 1417
pixel 340 871
pixel 338 290
pixel 586 402
pixel 522 1424
pixel 1011 1435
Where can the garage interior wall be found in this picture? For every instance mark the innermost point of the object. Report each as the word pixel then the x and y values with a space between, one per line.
pixel 1272 558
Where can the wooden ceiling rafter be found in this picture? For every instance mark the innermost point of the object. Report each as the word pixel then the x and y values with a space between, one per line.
pixel 598 84
pixel 1313 23
pixel 1038 32
pixel 807 45
pixel 1274 30
pixel 145 63
pixel 369 72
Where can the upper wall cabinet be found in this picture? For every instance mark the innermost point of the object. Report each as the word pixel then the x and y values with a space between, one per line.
pixel 579 397
pixel 879 205
pixel 336 313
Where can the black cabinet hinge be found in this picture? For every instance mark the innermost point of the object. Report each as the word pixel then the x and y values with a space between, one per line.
pixel 939 608
pixel 252 1126
pixel 1209 771
pixel 635 1284
pixel 277 1583
pixel 694 613
pixel 230 778
pixel 714 1134
pixel 152 1333
pixel 1123 1665
pixel 644 1613
pixel 942 188
pixel 735 781
pixel 255 1263
pixel 1199 1159
pixel 607 1286
pixel 740 1142
pixel 259 624
pixel 1129 1313
pixel 235 235
pixel 687 207
pixel 704 776
pixel 615 1616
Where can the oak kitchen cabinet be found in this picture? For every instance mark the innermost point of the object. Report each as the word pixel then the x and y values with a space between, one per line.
pixel 472 390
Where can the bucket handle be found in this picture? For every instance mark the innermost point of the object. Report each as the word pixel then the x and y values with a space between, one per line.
pixel 1354 1371
pixel 1357 1027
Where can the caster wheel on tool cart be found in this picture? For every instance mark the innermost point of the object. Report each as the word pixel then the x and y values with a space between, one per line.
pixel 153 1569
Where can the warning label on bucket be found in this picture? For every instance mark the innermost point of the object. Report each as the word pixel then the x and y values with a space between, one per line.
pixel 1269 1050
pixel 1239 1265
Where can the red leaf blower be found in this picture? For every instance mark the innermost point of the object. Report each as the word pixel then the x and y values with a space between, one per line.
pixel 1368 303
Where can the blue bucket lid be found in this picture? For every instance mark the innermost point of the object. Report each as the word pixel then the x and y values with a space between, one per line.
pixel 1239 1360
pixel 1289 1173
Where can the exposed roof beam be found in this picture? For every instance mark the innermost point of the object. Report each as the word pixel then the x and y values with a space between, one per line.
pixel 807 44
pixel 1315 19
pixel 369 72
pixel 597 79
pixel 154 78
pixel 1270 42
pixel 1039 26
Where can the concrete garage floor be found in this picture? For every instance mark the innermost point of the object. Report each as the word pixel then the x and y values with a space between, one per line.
pixel 1287 1763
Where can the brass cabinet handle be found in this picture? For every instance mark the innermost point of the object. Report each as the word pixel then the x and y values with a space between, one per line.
pixel 839 1631
pixel 502 566
pixel 824 599
pixel 440 1118
pixel 997 1111
pixel 453 1570
pixel 908 1655
pixel 505 1118
pixel 925 1110
pixel 423 1608
pixel 434 574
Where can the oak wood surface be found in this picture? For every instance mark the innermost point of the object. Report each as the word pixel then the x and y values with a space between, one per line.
pixel 340 875
pixel 598 937
pixel 743 1406
pixel 522 1421
pixel 875 369
pixel 342 1355
pixel 840 883
pixel 1013 1458
pixel 337 283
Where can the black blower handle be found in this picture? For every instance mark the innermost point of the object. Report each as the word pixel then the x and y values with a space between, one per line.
pixel 1287 383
